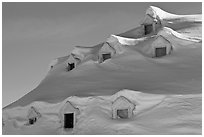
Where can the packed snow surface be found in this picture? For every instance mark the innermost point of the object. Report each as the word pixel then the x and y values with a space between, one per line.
pixel 154 114
pixel 167 91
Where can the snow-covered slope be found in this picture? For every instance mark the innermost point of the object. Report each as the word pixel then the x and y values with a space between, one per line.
pixel 189 24
pixel 129 70
pixel 165 32
pixel 154 114
pixel 167 91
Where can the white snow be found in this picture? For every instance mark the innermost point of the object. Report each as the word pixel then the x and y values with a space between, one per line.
pixel 127 41
pixel 167 91
pixel 154 114
pixel 168 32
pixel 160 14
pixel 52 64
pixel 81 52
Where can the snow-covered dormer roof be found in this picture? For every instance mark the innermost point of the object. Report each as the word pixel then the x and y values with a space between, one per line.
pixel 107 48
pixel 72 59
pixel 33 113
pixel 81 52
pixel 158 13
pixel 123 102
pixel 148 19
pixel 69 107
pixel 170 35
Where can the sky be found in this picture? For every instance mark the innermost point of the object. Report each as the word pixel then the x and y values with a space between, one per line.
pixel 33 34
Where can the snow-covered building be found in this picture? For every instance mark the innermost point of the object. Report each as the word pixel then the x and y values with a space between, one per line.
pixel 33 115
pixel 68 114
pixel 122 108
pixel 72 62
pixel 176 37
pixel 156 46
pixel 156 18
pixel 118 43
pixel 106 52
pixel 160 47
pixel 150 24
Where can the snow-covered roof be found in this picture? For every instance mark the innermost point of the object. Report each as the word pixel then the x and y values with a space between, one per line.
pixel 82 52
pixel 148 19
pixel 170 33
pixel 128 41
pixel 72 59
pixel 122 102
pixel 159 14
pixel 107 48
pixel 33 113
pixel 68 107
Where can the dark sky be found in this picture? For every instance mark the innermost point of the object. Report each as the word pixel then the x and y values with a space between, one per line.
pixel 35 33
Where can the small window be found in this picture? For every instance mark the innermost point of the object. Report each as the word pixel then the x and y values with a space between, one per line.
pixel 148 29
pixel 32 121
pixel 122 113
pixel 159 52
pixel 70 66
pixel 106 56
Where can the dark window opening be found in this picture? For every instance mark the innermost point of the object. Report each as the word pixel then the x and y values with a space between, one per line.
pixel 32 121
pixel 106 56
pixel 148 29
pixel 70 66
pixel 122 113
pixel 69 120
pixel 159 52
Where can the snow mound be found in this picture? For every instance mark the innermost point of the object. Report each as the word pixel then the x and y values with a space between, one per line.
pixel 169 33
pixel 167 91
pixel 83 53
pixel 127 41
pixel 160 14
pixel 153 114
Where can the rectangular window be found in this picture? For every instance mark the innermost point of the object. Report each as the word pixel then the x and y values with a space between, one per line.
pixel 159 52
pixel 70 66
pixel 148 29
pixel 122 113
pixel 69 120
pixel 106 56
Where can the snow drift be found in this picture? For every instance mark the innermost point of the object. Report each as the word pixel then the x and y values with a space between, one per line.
pixel 153 114
pixel 166 89
pixel 85 52
pixel 160 14
pixel 126 41
pixel 175 36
